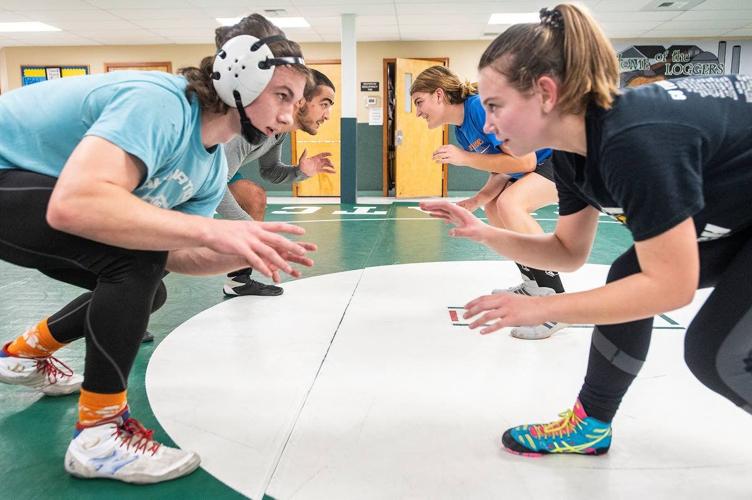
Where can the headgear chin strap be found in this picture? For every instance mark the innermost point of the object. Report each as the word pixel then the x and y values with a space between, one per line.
pixel 242 69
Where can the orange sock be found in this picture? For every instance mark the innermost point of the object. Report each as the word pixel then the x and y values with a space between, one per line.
pixel 94 407
pixel 37 342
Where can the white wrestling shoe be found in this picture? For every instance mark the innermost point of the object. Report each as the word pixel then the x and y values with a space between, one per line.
pixel 49 375
pixel 535 332
pixel 538 332
pixel 122 449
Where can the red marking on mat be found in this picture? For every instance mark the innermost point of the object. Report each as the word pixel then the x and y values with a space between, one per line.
pixel 453 315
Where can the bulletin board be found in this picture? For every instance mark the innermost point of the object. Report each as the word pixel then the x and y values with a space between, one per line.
pixel 36 74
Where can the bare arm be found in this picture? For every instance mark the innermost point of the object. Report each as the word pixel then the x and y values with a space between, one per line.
pixel 566 249
pixel 670 272
pixel 668 277
pixel 204 261
pixel 490 190
pixel 93 199
pixel 503 163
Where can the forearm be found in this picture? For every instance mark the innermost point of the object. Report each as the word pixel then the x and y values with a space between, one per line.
pixel 541 251
pixel 493 187
pixel 274 170
pixel 202 261
pixel 109 214
pixel 635 297
pixel 500 163
pixel 278 172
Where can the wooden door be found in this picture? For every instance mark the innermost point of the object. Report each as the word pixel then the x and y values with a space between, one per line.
pixel 327 140
pixel 416 174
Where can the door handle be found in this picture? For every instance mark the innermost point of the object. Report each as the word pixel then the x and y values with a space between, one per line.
pixel 398 138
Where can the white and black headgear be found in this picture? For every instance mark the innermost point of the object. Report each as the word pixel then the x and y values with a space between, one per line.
pixel 242 69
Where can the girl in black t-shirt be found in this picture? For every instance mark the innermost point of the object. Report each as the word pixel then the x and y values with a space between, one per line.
pixel 671 160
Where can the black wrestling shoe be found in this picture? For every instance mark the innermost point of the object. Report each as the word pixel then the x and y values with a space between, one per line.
pixel 243 284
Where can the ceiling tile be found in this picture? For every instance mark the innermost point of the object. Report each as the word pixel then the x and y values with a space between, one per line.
pixel 138 4
pixel 487 8
pixel 724 5
pixel 367 9
pixel 620 5
pixel 689 27
pixel 12 17
pixel 193 21
pixel 711 16
pixel 662 32
pixel 20 5
pixel 741 32
pixel 160 13
pixel 55 17
pixel 243 5
pixel 605 17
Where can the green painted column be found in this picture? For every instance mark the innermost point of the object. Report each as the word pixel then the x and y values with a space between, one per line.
pixel 348 130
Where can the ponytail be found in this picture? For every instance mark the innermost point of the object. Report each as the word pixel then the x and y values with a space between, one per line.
pixel 567 45
pixel 440 77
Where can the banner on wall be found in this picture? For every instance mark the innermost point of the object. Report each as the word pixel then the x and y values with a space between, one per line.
pixel 641 64
pixel 36 74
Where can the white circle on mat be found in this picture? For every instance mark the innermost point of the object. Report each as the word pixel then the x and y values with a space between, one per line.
pixel 360 384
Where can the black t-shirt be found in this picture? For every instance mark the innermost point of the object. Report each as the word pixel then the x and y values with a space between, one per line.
pixel 665 152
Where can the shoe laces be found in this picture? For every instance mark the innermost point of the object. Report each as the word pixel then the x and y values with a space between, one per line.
pixel 565 426
pixel 133 433
pixel 53 369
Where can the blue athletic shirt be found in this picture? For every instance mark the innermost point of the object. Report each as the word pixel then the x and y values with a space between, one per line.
pixel 471 137
pixel 145 113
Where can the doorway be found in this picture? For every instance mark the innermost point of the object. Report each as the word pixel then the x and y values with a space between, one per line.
pixel 408 170
pixel 326 140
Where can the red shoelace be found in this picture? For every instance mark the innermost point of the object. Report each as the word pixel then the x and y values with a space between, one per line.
pixel 133 433
pixel 53 369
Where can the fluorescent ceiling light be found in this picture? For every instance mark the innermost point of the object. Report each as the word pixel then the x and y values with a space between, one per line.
pixel 514 18
pixel 27 26
pixel 280 22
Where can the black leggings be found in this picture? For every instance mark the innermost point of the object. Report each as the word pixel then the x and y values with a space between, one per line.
pixel 125 284
pixel 717 345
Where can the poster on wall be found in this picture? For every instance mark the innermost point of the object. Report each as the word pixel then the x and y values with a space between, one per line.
pixel 640 64
pixel 36 74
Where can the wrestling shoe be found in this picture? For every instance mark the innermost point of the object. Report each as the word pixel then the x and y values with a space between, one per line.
pixel 242 284
pixel 575 432
pixel 122 449
pixel 534 332
pixel 48 374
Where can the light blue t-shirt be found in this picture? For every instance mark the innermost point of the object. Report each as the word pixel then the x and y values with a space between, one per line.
pixel 471 137
pixel 145 113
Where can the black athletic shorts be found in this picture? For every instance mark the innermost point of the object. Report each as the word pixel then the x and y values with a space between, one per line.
pixel 544 168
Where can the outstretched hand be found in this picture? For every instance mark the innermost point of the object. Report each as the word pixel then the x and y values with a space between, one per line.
pixel 260 245
pixel 466 225
pixel 493 312
pixel 449 153
pixel 318 164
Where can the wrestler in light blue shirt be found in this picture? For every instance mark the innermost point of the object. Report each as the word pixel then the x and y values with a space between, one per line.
pixel 145 113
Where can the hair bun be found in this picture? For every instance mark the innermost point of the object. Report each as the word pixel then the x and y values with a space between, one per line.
pixel 551 18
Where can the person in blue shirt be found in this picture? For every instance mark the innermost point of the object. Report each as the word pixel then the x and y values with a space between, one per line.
pixel 516 186
pixel 109 181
